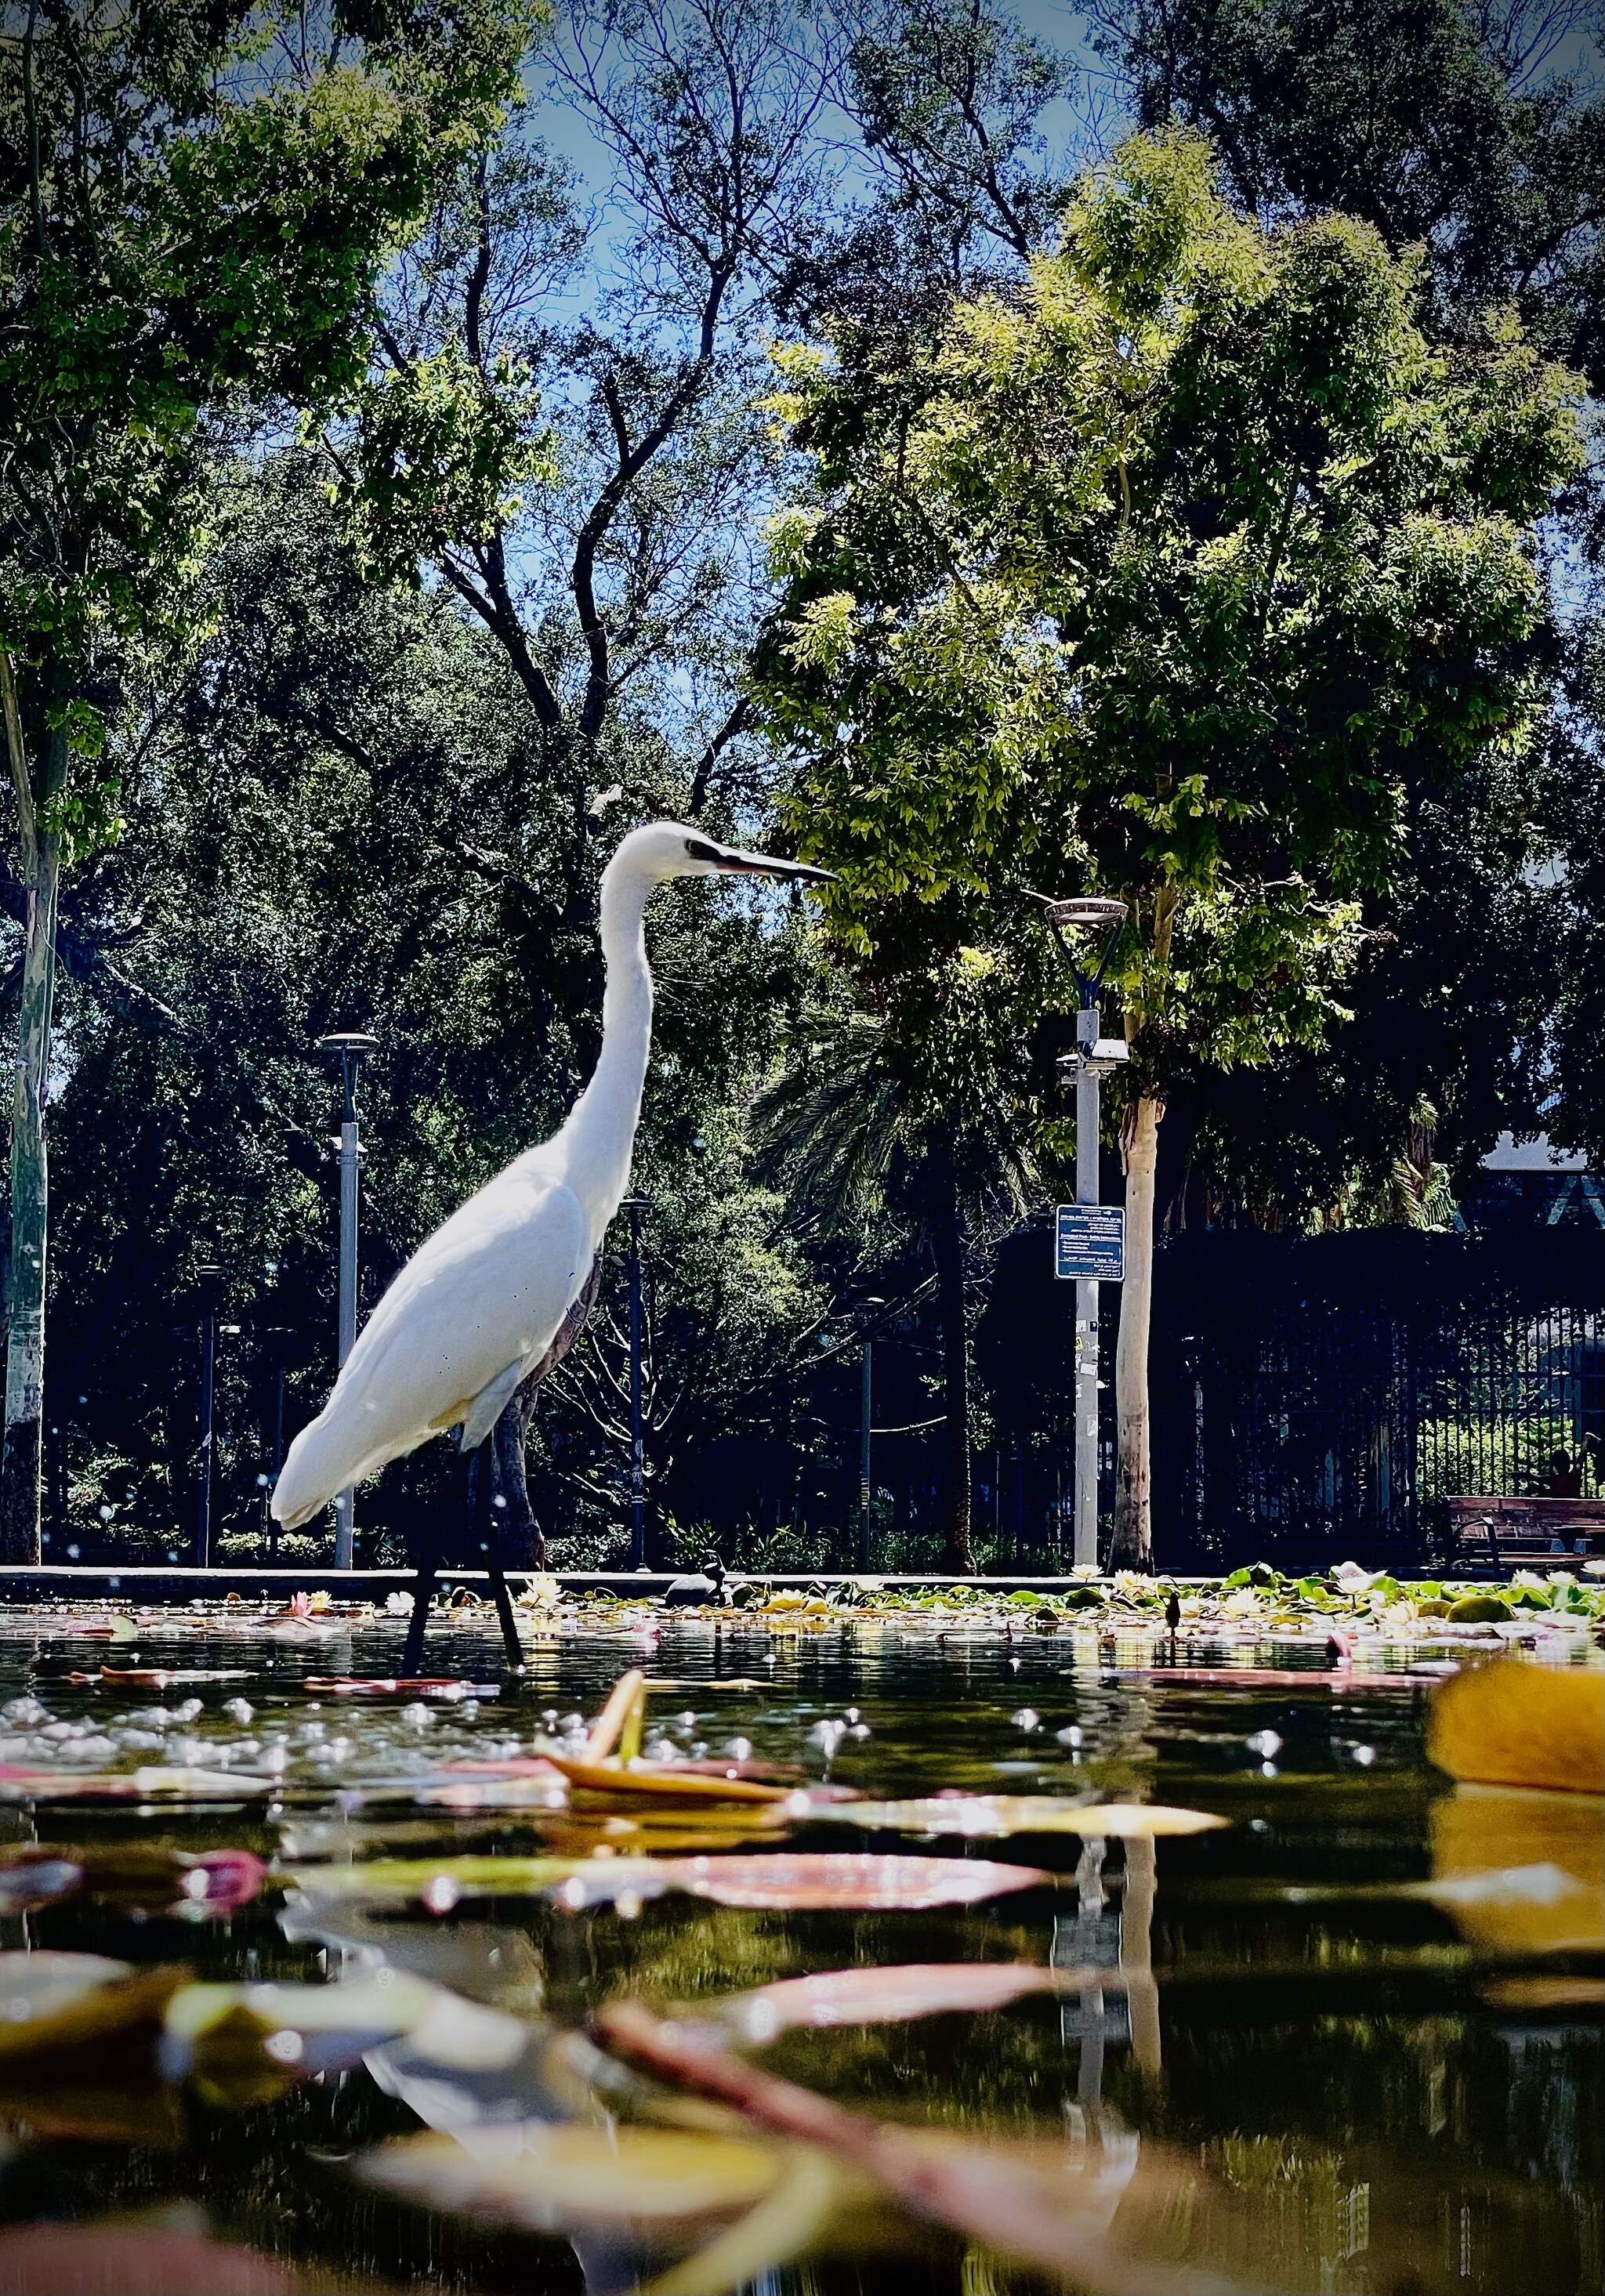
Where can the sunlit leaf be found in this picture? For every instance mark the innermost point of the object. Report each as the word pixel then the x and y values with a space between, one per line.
pixel 679 1781
pixel 76 1999
pixel 1512 1723
pixel 618 1725
pixel 557 2178
pixel 1004 1814
pixel 874 1996
pixel 827 1879
pixel 245 2044
pixel 823 1879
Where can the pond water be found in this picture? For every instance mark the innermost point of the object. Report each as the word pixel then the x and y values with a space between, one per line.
pixel 1302 2071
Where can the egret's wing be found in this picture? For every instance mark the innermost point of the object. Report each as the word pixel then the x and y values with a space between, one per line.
pixel 488 1290
pixel 487 1404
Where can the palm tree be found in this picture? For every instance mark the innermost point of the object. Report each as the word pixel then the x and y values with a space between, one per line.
pixel 849 1128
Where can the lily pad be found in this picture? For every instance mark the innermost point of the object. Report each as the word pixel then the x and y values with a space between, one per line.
pixel 995 1814
pixel 881 1996
pixel 823 1879
pixel 547 2178
pixel 1515 1723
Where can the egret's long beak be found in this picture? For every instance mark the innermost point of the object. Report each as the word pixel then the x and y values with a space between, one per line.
pixel 762 865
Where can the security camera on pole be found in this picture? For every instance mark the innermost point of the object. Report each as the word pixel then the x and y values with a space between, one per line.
pixel 1089 1238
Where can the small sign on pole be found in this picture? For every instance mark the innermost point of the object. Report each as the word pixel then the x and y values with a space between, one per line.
pixel 1090 1240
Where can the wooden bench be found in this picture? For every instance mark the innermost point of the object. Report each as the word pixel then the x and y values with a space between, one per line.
pixel 1508 1532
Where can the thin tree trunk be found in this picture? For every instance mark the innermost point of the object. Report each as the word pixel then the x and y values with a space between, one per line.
pixel 21 1449
pixel 1133 1547
pixel 947 1250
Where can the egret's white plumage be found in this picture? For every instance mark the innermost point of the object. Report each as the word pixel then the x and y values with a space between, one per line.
pixel 480 1303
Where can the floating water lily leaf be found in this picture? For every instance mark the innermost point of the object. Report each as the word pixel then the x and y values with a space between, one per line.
pixel 821 1879
pixel 876 1997
pixel 156 1677
pixel 131 1875
pixel 37 1985
pixel 78 1998
pixel 1004 1813
pixel 1522 1872
pixel 245 2044
pixel 679 1781
pixel 447 1688
pixel 825 1879
pixel 174 1784
pixel 563 2178
pixel 1515 1723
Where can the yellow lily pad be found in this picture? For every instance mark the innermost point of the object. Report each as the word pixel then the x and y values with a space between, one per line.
pixel 1514 1724
pixel 1002 1813
pixel 550 2179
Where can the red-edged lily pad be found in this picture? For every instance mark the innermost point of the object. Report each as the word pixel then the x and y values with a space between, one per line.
pixel 883 1997
pixel 826 1880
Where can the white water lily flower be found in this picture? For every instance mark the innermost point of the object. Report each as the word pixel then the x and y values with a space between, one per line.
pixel 1351 1579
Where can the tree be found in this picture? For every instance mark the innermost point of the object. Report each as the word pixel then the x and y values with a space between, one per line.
pixel 1476 136
pixel 203 197
pixel 1165 577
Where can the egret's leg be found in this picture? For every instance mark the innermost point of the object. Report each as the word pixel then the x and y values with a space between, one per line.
pixel 423 1594
pixel 490 1538
pixel 428 1554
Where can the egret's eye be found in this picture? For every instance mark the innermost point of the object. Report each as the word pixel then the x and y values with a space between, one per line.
pixel 698 850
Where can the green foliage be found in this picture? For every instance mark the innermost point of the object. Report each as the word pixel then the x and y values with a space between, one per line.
pixel 206 198
pixel 1162 577
pixel 1476 134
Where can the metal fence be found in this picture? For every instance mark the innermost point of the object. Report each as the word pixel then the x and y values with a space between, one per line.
pixel 1311 1394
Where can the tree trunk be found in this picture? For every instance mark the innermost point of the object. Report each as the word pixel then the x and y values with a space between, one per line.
pixel 947 1250
pixel 22 1450
pixel 1133 1546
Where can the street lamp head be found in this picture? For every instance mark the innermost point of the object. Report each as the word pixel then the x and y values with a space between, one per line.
pixel 1089 912
pixel 348 1042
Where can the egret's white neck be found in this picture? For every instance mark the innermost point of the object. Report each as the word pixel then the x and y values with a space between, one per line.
pixel 598 1140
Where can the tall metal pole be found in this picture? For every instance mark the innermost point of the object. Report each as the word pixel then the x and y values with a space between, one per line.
pixel 350 1046
pixel 865 1558
pixel 350 1166
pixel 1086 1296
pixel 635 1206
pixel 1104 915
pixel 210 1279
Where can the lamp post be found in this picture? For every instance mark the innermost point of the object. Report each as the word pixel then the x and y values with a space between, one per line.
pixel 864 1557
pixel 1094 1056
pixel 209 1281
pixel 635 1206
pixel 350 1044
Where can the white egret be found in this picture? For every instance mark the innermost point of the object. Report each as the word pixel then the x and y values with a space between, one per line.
pixel 500 1289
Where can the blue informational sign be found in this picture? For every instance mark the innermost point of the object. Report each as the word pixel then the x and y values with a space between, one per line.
pixel 1090 1240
